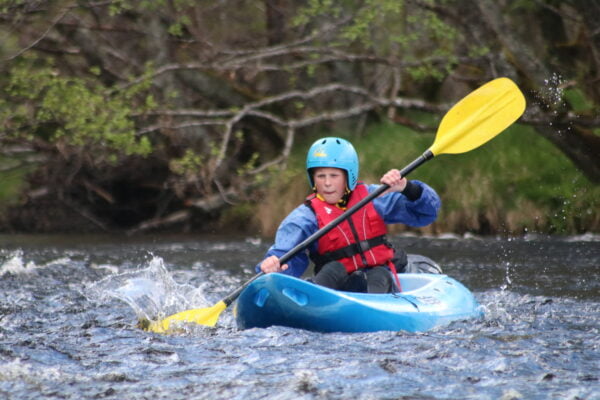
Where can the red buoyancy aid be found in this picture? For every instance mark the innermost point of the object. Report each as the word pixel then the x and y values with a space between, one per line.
pixel 357 242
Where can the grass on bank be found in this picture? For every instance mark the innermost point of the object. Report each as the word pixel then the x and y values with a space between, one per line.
pixel 514 184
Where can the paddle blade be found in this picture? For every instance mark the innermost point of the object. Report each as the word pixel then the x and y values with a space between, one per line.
pixel 202 316
pixel 479 117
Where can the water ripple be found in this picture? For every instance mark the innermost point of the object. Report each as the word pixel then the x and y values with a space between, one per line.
pixel 68 327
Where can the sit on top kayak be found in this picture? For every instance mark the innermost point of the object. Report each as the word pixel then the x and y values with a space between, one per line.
pixel 426 301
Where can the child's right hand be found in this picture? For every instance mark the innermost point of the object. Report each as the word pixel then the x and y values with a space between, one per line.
pixel 271 264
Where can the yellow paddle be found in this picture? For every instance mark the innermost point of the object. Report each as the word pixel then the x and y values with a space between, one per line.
pixel 471 122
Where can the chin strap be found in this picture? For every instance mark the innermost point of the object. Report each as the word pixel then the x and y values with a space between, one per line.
pixel 342 203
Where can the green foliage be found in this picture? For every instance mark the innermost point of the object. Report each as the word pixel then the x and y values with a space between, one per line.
pixel 523 177
pixel 120 6
pixel 214 57
pixel 420 36
pixel 12 176
pixel 249 165
pixel 518 181
pixel 43 105
pixel 372 13
pixel 578 100
pixel 316 8
pixel 478 51
pixel 177 28
pixel 10 5
pixel 187 165
pixel 387 146
pixel 237 217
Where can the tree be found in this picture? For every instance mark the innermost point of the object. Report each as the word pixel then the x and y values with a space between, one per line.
pixel 145 111
pixel 556 59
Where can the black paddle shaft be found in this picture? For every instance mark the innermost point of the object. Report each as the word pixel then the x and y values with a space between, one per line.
pixel 321 232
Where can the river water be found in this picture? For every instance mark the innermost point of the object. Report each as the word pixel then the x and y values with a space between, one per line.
pixel 69 308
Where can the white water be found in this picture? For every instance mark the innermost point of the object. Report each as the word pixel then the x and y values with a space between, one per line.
pixel 69 309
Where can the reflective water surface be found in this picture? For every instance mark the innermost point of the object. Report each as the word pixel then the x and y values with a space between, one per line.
pixel 69 308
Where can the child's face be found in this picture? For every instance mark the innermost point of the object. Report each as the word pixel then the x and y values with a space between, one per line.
pixel 330 183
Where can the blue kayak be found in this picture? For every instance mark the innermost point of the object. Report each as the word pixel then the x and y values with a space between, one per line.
pixel 426 301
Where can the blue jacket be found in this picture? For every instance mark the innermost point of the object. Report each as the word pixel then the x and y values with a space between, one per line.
pixel 393 207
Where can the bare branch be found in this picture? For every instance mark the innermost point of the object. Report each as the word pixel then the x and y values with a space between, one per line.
pixel 176 217
pixel 53 23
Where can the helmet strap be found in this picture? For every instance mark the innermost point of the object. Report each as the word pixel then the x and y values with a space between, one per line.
pixel 342 203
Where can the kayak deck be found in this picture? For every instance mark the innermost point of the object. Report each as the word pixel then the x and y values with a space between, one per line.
pixel 427 301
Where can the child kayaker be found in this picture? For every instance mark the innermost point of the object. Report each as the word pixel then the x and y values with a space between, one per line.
pixel 355 255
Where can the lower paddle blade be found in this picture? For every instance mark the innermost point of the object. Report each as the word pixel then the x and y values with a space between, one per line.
pixel 479 117
pixel 202 316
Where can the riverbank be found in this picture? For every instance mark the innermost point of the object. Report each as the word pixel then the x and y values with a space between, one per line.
pixel 516 184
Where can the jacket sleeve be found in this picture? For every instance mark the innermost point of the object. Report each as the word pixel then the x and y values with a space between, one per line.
pixel 397 208
pixel 295 228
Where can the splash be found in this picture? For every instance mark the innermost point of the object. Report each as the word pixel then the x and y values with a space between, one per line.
pixel 15 265
pixel 151 292
pixel 553 91
pixel 507 280
pixel 507 255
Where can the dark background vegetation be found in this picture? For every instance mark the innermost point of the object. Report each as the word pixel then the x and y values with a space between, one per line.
pixel 195 115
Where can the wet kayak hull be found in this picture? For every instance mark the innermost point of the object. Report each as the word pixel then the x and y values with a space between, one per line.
pixel 427 301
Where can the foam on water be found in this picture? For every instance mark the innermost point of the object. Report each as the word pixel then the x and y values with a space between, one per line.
pixel 67 329
pixel 15 265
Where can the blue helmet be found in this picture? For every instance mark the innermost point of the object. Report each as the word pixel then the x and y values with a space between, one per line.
pixel 335 153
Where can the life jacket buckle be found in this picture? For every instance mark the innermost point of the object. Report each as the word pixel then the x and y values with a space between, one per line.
pixel 363 246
